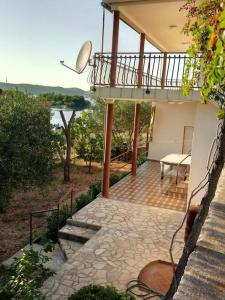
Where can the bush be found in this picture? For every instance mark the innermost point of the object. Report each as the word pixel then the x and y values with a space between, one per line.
pixel 82 201
pixel 23 278
pixel 52 229
pixel 114 179
pixel 141 159
pixel 97 292
pixel 95 189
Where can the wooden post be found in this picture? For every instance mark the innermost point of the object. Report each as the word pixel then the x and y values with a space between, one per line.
pixel 107 149
pixel 163 79
pixel 115 38
pixel 137 107
pixel 109 108
pixel 135 138
pixel 141 61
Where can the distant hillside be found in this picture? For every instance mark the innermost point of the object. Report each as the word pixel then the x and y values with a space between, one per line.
pixel 41 89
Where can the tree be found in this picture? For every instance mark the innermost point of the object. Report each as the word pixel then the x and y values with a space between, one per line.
pixel 206 25
pixel 26 149
pixel 92 121
pixel 66 101
pixel 66 129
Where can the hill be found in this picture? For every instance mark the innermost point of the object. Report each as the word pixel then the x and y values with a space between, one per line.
pixel 42 89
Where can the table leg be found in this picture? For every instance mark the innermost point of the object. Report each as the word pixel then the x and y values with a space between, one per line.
pixel 162 170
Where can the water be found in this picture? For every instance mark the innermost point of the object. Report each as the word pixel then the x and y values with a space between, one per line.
pixel 56 118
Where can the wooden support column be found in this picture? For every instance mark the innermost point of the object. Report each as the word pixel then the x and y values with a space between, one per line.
pixel 163 79
pixel 135 138
pixel 107 148
pixel 109 108
pixel 115 39
pixel 137 107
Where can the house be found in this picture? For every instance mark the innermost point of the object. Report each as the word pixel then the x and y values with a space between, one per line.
pixel 179 124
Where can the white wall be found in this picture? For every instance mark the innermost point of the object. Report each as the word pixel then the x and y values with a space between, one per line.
pixel 168 131
pixel 204 133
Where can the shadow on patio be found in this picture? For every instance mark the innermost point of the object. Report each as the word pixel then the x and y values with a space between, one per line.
pixel 148 189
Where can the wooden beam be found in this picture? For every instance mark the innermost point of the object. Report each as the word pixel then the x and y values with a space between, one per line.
pixel 107 149
pixel 138 106
pixel 135 138
pixel 163 78
pixel 141 59
pixel 115 39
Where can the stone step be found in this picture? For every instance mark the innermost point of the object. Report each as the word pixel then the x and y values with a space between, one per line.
pixel 69 248
pixel 82 224
pixel 76 233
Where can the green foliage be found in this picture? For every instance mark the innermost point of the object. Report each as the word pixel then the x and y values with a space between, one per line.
pixel 141 159
pixel 206 25
pixel 52 229
pixel 88 135
pixel 26 150
pixel 83 200
pixel 95 189
pixel 23 278
pixel 92 122
pixel 65 101
pixel 97 292
pixel 114 178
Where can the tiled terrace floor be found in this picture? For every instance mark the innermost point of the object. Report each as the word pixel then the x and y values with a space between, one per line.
pixel 131 236
pixel 147 188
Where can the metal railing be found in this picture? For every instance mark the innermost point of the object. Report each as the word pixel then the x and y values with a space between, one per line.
pixel 57 210
pixel 126 156
pixel 159 70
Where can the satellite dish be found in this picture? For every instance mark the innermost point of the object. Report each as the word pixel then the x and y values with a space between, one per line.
pixel 82 58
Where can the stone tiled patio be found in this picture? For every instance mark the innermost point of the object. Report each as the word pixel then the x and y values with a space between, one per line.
pixel 147 188
pixel 131 235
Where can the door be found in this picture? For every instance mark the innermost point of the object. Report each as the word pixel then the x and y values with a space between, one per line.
pixel 187 139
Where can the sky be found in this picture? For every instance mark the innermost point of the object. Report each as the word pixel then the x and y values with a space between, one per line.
pixel 36 35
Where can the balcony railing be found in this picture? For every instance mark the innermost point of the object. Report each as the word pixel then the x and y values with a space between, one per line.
pixel 152 70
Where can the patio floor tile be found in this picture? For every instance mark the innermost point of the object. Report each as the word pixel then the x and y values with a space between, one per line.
pixel 147 188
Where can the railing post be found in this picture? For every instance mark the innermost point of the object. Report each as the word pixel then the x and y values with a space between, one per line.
pixel 163 78
pixel 115 38
pixel 31 230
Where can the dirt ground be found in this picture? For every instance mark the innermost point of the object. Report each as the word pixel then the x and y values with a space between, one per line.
pixel 14 223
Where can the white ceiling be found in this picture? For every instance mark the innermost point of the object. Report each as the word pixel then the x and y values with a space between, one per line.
pixel 155 18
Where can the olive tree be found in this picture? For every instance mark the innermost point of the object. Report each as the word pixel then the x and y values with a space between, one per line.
pixel 26 148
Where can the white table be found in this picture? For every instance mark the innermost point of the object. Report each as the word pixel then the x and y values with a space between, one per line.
pixel 174 160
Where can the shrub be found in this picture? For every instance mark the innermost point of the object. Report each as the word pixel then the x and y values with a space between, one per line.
pixel 23 278
pixel 52 229
pixel 97 292
pixel 141 159
pixel 114 179
pixel 95 189
pixel 82 201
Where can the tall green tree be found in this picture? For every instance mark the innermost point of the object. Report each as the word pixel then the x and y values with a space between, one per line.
pixel 26 148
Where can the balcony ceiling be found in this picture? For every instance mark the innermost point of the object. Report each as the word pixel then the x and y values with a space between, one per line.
pixel 160 20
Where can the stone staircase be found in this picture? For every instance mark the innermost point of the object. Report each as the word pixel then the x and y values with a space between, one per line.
pixel 74 235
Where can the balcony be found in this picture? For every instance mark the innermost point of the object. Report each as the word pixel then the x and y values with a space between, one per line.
pixel 130 70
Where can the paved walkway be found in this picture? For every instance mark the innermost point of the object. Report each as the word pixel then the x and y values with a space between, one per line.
pixel 147 188
pixel 131 235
